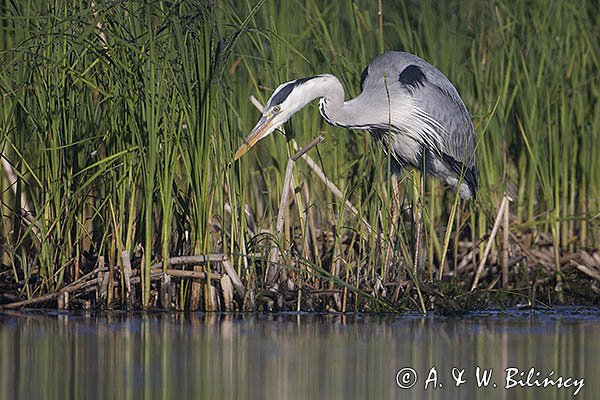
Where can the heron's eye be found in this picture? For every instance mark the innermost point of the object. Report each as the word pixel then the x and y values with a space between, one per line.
pixel 277 109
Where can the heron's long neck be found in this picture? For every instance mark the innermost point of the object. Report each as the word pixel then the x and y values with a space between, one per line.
pixel 334 109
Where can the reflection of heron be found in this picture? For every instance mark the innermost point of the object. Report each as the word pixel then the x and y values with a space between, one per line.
pixel 406 103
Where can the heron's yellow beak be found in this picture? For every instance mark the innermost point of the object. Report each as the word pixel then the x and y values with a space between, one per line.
pixel 262 129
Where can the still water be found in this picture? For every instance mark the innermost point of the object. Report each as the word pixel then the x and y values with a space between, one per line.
pixel 50 355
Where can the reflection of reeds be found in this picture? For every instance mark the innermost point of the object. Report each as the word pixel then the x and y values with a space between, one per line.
pixel 120 355
pixel 119 123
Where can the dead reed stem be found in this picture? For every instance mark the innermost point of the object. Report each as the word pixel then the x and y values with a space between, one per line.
pixel 488 247
pixel 505 238
pixel 284 202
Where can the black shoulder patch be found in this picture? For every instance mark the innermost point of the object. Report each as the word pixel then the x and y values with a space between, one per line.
pixel 286 90
pixel 412 77
pixel 363 77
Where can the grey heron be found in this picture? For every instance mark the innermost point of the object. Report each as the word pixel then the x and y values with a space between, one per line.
pixel 408 105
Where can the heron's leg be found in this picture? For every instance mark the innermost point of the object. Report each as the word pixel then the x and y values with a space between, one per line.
pixel 416 261
pixel 419 248
pixel 396 207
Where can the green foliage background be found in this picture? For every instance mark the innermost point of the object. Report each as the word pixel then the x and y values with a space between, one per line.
pixel 119 120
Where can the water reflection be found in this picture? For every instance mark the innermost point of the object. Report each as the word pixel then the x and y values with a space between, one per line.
pixel 210 356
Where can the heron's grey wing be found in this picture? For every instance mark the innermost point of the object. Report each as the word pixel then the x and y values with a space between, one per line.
pixel 439 99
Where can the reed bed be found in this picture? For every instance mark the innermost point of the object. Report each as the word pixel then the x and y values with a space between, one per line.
pixel 119 121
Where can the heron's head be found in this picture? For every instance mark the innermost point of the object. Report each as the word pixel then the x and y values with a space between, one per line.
pixel 285 101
